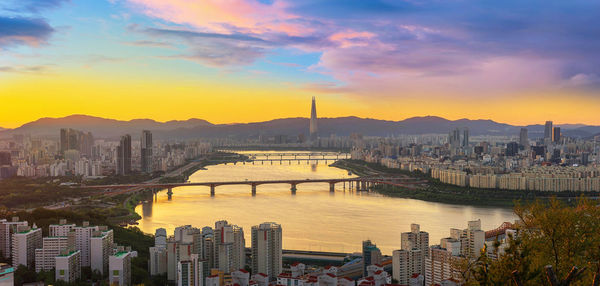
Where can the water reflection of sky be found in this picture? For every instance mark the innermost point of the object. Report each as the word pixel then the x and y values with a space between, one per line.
pixel 313 219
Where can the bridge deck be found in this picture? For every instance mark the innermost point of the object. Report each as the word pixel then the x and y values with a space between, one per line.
pixel 248 182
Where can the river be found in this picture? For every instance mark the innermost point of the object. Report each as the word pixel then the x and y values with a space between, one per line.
pixel 313 218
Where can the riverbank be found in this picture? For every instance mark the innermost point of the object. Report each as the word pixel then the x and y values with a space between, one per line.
pixel 436 191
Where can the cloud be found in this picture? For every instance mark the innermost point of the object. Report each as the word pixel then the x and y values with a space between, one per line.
pixel 224 16
pixel 23 31
pixel 146 43
pixel 192 34
pixel 221 54
pixel 24 69
pixel 389 47
pixel 31 6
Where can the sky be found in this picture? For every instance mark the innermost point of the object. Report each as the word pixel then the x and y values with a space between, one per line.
pixel 225 61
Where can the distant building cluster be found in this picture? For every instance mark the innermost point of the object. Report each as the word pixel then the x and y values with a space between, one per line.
pixel 217 256
pixel 552 163
pixel 65 250
pixel 78 153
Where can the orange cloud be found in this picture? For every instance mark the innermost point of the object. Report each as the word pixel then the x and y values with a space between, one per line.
pixel 351 38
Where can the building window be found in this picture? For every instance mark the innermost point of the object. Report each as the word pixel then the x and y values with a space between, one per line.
pixel 115 272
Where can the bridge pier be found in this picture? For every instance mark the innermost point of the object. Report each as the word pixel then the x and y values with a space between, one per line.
pixel 170 193
pixel 332 187
pixel 212 190
pixel 253 190
pixel 293 188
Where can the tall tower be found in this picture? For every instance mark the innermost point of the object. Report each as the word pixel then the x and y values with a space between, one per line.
pixel 146 152
pixel 124 155
pixel 314 130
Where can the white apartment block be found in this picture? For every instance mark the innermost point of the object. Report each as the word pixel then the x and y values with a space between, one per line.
pixel 101 247
pixel 7 228
pixel 61 229
pixel 119 268
pixel 68 266
pixel 83 236
pixel 51 247
pixel 158 260
pixel 24 243
pixel 267 249
pixel 405 263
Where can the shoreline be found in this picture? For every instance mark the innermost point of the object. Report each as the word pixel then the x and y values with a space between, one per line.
pixel 439 192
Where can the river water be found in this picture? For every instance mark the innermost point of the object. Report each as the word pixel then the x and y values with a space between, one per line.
pixel 313 218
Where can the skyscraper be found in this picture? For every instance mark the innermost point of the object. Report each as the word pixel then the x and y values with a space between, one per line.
pixel 556 134
pixel 465 141
pixel 146 151
pixel 548 130
pixel 523 138
pixel 267 249
pixel 314 129
pixel 124 155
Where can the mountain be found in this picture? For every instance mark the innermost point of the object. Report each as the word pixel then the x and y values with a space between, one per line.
pixel 100 127
pixel 340 126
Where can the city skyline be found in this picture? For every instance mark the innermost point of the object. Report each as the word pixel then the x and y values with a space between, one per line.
pixel 245 61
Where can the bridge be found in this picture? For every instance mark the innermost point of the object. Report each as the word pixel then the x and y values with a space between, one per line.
pixel 295 155
pixel 362 184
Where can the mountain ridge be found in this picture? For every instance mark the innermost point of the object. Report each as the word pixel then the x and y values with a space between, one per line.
pixel 293 126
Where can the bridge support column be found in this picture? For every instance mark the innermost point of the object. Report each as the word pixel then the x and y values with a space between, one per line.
pixel 212 190
pixel 170 193
pixel 293 188
pixel 253 189
pixel 332 187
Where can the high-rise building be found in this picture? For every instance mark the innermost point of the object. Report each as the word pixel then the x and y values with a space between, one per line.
pixel 548 130
pixel 146 152
pixel 465 139
pixel 124 155
pixel 68 266
pixel 415 239
pixel 314 129
pixel 440 264
pixel 52 246
pixel 556 135
pixel 371 255
pixel 229 246
pixel 191 272
pixel 83 237
pixel 411 258
pixel 158 260
pixel 119 268
pixel 7 229
pixel 24 243
pixel 512 149
pixel 187 240
pixel 267 249
pixel 61 229
pixel 471 239
pixel 523 138
pixel 101 247
pixel 405 263
pixel 454 138
pixel 71 139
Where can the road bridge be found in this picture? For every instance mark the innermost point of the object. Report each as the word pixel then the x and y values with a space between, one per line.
pixel 361 183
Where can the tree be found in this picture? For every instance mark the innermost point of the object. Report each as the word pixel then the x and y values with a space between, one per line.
pixel 555 244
